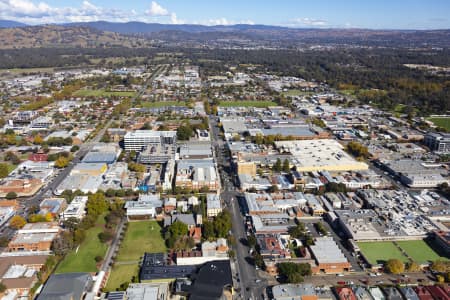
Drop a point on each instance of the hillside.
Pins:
(63, 36)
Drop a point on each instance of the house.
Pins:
(170, 204)
(187, 219)
(345, 293)
(73, 286)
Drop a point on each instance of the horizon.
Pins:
(322, 14)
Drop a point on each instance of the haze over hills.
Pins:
(102, 33)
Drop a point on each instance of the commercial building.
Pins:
(320, 155)
(92, 169)
(213, 281)
(144, 291)
(139, 139)
(196, 150)
(196, 174)
(34, 237)
(145, 207)
(73, 286)
(52, 205)
(358, 224)
(439, 142)
(328, 256)
(155, 267)
(156, 154)
(76, 208)
(302, 291)
(442, 238)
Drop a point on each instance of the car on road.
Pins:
(257, 280)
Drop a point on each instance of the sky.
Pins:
(373, 14)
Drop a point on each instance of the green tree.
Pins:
(277, 166)
(441, 266)
(222, 224)
(394, 266)
(2, 287)
(286, 166)
(11, 195)
(184, 132)
(4, 171)
(97, 204)
(61, 162)
(208, 230)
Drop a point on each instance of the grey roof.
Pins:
(326, 250)
(100, 157)
(66, 286)
(187, 219)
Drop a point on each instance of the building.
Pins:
(19, 274)
(248, 168)
(53, 206)
(139, 139)
(145, 207)
(92, 169)
(213, 205)
(345, 293)
(73, 286)
(303, 291)
(155, 267)
(320, 155)
(196, 150)
(358, 224)
(442, 238)
(34, 237)
(156, 154)
(196, 174)
(328, 256)
(438, 142)
(213, 281)
(41, 123)
(147, 291)
(76, 208)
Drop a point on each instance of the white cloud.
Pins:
(174, 19)
(157, 10)
(223, 21)
(305, 22)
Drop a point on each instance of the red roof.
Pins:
(38, 157)
(438, 293)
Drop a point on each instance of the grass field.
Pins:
(420, 251)
(102, 93)
(84, 259)
(143, 236)
(441, 122)
(146, 234)
(11, 168)
(380, 252)
(293, 93)
(260, 104)
(121, 274)
(162, 103)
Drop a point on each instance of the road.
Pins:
(246, 273)
(113, 247)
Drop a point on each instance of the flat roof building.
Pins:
(320, 155)
(328, 256)
(139, 139)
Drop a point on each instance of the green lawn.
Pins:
(420, 251)
(11, 168)
(144, 236)
(260, 104)
(121, 274)
(295, 92)
(162, 103)
(84, 259)
(441, 122)
(140, 237)
(102, 93)
(380, 252)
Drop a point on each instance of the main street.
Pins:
(251, 287)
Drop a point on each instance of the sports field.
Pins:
(102, 93)
(441, 122)
(380, 252)
(420, 251)
(259, 104)
(158, 104)
(140, 237)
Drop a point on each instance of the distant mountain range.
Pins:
(10, 24)
(115, 33)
